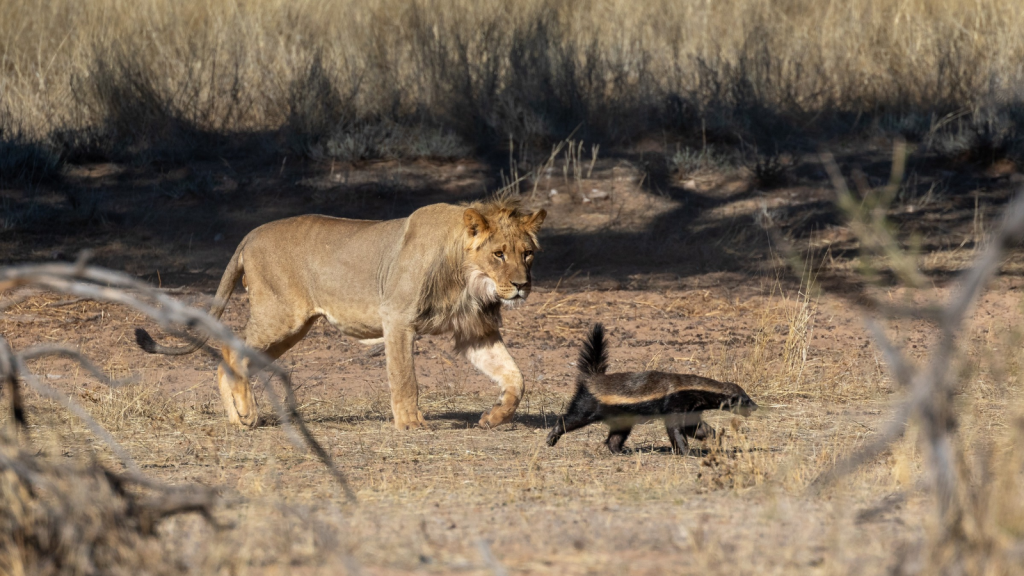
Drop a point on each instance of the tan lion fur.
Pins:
(444, 269)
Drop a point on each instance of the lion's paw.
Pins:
(409, 420)
(496, 416)
(250, 419)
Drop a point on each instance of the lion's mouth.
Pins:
(515, 300)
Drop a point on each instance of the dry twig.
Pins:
(103, 285)
(930, 388)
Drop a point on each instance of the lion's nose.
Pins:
(519, 285)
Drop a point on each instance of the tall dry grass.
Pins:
(446, 77)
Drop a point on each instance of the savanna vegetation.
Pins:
(168, 80)
(737, 188)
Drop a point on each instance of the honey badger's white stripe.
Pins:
(616, 397)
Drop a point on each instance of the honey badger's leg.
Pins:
(569, 422)
(583, 410)
(617, 438)
(701, 431)
(677, 438)
(490, 356)
(698, 431)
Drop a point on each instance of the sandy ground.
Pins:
(700, 293)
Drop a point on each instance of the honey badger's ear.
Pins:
(533, 221)
(475, 222)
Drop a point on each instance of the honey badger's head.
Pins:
(735, 400)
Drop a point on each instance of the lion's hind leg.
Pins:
(233, 374)
(235, 392)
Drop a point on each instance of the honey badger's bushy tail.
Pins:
(593, 356)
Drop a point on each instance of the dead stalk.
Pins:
(93, 283)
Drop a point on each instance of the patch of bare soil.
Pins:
(681, 277)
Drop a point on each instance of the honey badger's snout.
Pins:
(740, 404)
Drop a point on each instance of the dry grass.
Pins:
(173, 80)
(170, 81)
(426, 499)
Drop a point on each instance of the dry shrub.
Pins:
(778, 365)
(58, 518)
(974, 529)
(22, 160)
(66, 519)
(440, 77)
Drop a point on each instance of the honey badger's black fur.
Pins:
(625, 399)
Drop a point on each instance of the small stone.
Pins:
(561, 198)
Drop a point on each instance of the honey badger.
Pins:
(628, 398)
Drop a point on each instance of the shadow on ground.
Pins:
(178, 224)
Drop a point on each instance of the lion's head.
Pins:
(486, 266)
(499, 247)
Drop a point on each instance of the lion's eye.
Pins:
(499, 255)
(527, 254)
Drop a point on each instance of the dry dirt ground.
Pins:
(677, 269)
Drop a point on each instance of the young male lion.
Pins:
(444, 269)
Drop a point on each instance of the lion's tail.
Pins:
(593, 356)
(231, 275)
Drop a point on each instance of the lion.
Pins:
(444, 269)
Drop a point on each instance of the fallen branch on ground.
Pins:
(93, 283)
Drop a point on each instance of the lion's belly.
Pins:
(360, 326)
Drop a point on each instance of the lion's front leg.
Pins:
(492, 358)
(398, 343)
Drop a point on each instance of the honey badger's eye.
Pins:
(499, 255)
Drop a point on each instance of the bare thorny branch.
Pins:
(93, 283)
(929, 388)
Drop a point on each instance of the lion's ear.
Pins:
(532, 222)
(475, 222)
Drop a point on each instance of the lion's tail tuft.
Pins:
(145, 341)
(228, 280)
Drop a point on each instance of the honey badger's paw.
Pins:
(496, 416)
(552, 438)
(409, 419)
